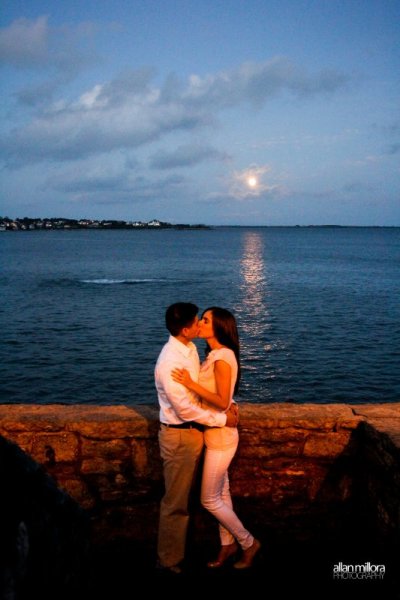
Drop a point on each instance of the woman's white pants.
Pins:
(216, 497)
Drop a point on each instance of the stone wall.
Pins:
(303, 468)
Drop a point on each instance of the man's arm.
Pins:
(180, 400)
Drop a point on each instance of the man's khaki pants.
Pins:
(180, 450)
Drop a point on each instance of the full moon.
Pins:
(252, 181)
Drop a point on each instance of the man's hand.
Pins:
(232, 415)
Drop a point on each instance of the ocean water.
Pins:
(82, 312)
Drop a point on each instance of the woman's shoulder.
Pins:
(223, 354)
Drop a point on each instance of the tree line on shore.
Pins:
(31, 224)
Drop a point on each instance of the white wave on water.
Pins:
(118, 281)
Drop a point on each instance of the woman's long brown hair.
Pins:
(225, 330)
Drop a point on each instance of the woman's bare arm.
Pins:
(222, 372)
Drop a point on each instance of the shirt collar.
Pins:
(184, 349)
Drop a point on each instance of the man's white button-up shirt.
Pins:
(177, 403)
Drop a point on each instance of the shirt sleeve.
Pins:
(184, 407)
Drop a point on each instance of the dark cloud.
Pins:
(87, 183)
(98, 181)
(25, 43)
(256, 82)
(357, 187)
(185, 156)
(391, 133)
(147, 188)
(57, 54)
(39, 94)
(394, 148)
(34, 44)
(130, 84)
(131, 110)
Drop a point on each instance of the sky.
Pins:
(234, 112)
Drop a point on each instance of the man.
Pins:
(181, 431)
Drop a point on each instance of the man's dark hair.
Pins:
(180, 315)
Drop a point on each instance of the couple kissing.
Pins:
(196, 410)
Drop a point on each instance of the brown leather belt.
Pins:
(187, 425)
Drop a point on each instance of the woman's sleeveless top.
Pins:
(219, 438)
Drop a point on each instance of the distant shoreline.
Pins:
(52, 224)
(307, 226)
(46, 224)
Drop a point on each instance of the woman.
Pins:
(218, 381)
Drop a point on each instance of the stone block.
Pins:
(52, 448)
(326, 445)
(100, 465)
(105, 449)
(113, 422)
(27, 423)
(78, 490)
(146, 461)
(270, 450)
(254, 488)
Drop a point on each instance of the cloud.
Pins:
(356, 187)
(131, 111)
(366, 161)
(38, 94)
(394, 148)
(185, 156)
(109, 180)
(57, 53)
(25, 43)
(89, 181)
(256, 82)
(33, 44)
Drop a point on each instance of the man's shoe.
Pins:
(248, 556)
(173, 570)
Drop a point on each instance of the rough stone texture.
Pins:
(292, 459)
